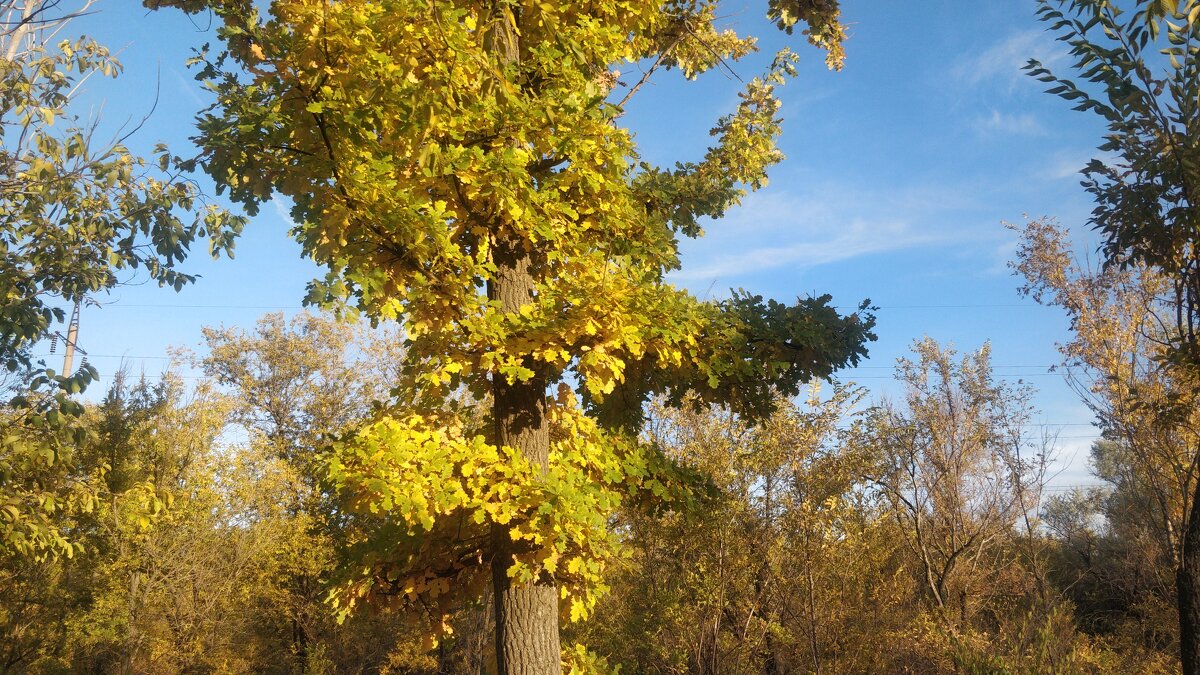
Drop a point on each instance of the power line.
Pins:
(118, 356)
(1007, 376)
(149, 305)
(994, 366)
(965, 306)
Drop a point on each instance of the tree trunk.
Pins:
(300, 645)
(133, 636)
(526, 614)
(813, 643)
(1187, 586)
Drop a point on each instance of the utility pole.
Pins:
(72, 335)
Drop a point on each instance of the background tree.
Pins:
(140, 446)
(804, 557)
(793, 563)
(963, 478)
(75, 211)
(209, 547)
(459, 167)
(761, 580)
(954, 472)
(1143, 73)
(1148, 412)
(293, 385)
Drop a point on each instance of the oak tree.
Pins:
(458, 166)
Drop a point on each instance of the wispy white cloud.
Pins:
(1003, 60)
(283, 211)
(797, 230)
(188, 87)
(1002, 254)
(857, 239)
(1064, 164)
(1009, 124)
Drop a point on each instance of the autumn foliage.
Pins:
(511, 444)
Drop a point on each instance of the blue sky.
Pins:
(900, 172)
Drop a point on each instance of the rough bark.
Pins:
(526, 614)
(1187, 585)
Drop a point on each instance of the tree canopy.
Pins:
(77, 212)
(459, 167)
(539, 454)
